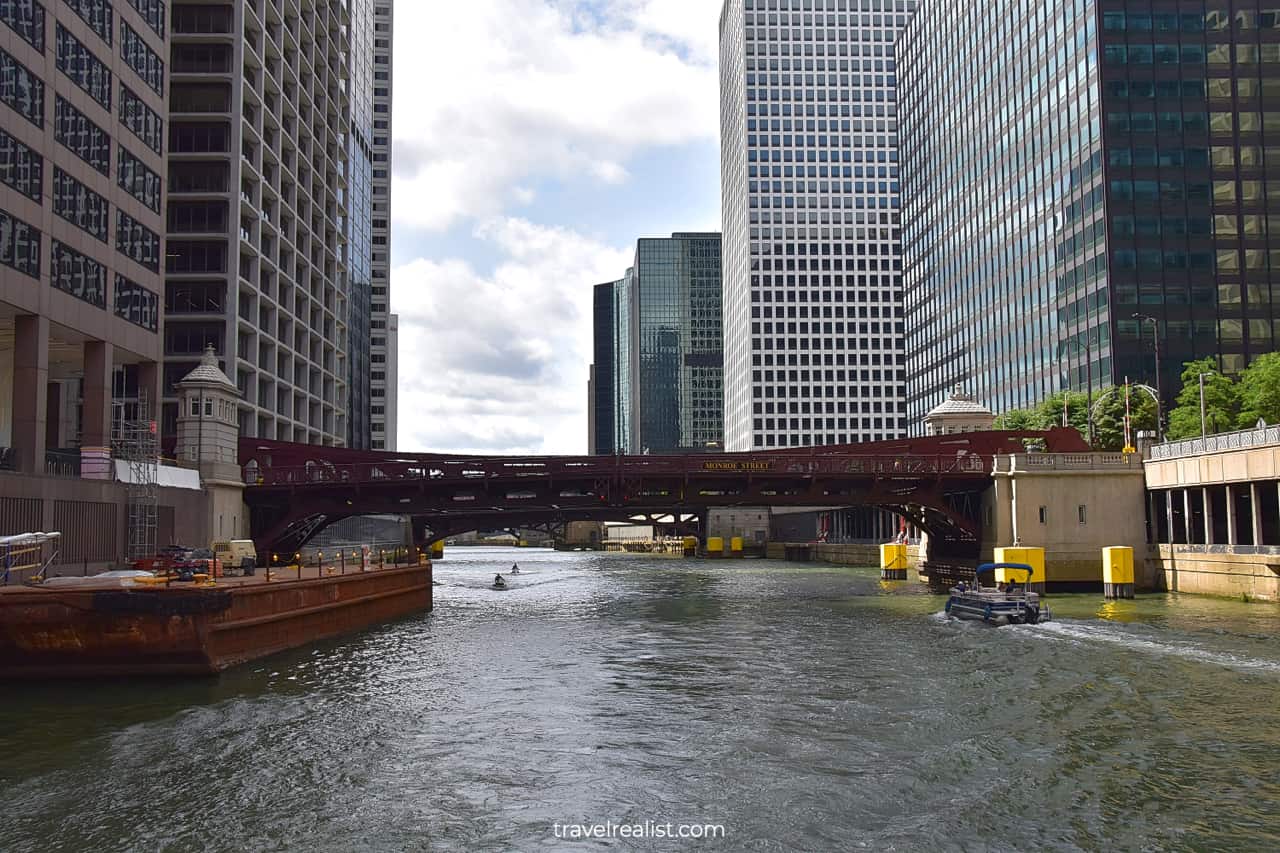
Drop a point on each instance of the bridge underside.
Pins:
(936, 483)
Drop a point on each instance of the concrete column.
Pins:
(1255, 510)
(30, 390)
(1231, 515)
(1168, 514)
(95, 430)
(1186, 516)
(1208, 515)
(1153, 512)
(53, 415)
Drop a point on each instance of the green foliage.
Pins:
(1228, 405)
(1048, 413)
(1260, 391)
(1108, 417)
(1221, 401)
(1017, 419)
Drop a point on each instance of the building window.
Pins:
(152, 11)
(1080, 511)
(21, 167)
(77, 274)
(136, 304)
(1044, 514)
(95, 13)
(140, 182)
(137, 241)
(19, 245)
(196, 256)
(85, 70)
(84, 138)
(141, 58)
(21, 90)
(143, 121)
(26, 18)
(79, 205)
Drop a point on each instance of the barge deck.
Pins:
(103, 630)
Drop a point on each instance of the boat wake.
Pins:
(1082, 632)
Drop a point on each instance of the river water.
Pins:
(799, 707)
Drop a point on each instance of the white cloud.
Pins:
(497, 362)
(492, 94)
(495, 98)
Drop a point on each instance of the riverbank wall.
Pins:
(847, 554)
(1216, 570)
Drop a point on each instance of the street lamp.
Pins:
(1088, 357)
(1203, 431)
(1155, 338)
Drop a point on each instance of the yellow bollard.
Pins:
(715, 546)
(1117, 572)
(437, 550)
(1033, 557)
(735, 546)
(893, 562)
(691, 546)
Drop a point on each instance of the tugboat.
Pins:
(999, 605)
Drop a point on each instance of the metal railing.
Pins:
(1217, 443)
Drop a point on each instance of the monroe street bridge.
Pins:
(295, 490)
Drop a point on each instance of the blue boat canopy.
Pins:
(991, 567)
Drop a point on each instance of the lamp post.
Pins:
(1155, 338)
(1203, 431)
(1088, 357)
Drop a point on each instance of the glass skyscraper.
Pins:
(1069, 164)
(812, 229)
(657, 378)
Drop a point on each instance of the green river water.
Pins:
(798, 707)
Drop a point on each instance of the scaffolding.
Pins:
(134, 442)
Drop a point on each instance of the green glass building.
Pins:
(657, 380)
(1069, 164)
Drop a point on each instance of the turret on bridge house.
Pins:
(208, 435)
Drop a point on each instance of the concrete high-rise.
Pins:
(383, 326)
(656, 384)
(82, 142)
(1078, 174)
(270, 236)
(813, 327)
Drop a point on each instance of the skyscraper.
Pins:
(1077, 175)
(601, 397)
(810, 210)
(383, 332)
(270, 245)
(82, 141)
(656, 384)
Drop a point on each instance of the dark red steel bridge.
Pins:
(295, 490)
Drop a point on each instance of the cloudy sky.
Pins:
(535, 140)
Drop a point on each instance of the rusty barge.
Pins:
(185, 629)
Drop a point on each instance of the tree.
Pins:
(1108, 417)
(1221, 400)
(1017, 419)
(1048, 413)
(1259, 388)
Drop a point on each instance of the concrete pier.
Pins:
(1117, 572)
(893, 562)
(1033, 557)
